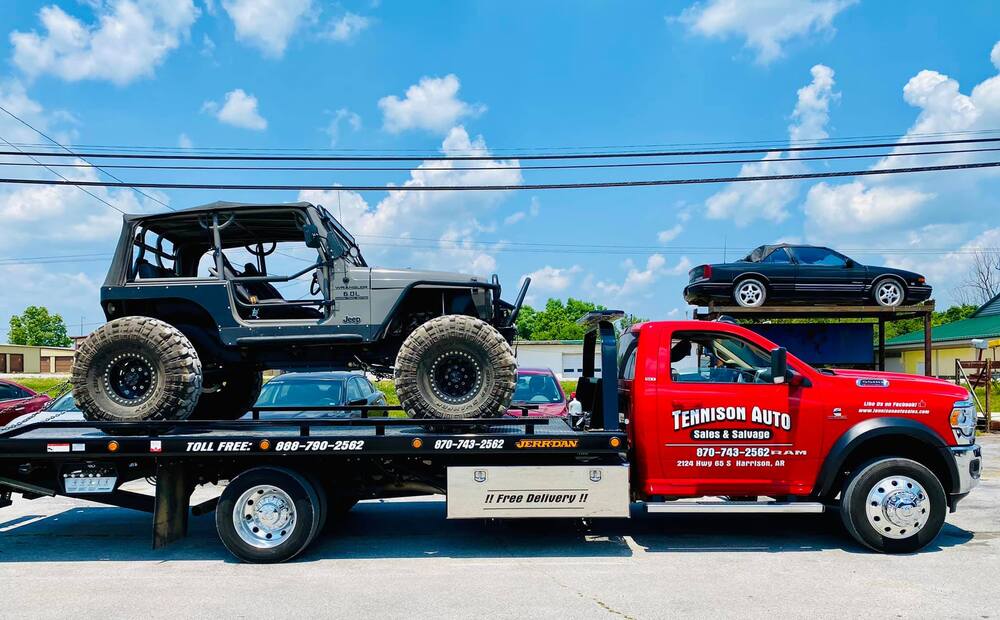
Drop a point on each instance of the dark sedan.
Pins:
(301, 390)
(802, 274)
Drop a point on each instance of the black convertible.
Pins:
(802, 274)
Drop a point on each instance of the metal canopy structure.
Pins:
(882, 314)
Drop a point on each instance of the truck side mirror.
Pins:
(779, 365)
(311, 234)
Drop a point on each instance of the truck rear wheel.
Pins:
(455, 367)
(134, 369)
(228, 395)
(268, 514)
(893, 505)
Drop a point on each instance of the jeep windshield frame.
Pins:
(351, 252)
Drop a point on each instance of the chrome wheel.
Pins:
(264, 516)
(889, 293)
(897, 507)
(750, 293)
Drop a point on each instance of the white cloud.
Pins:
(552, 279)
(431, 105)
(130, 39)
(267, 24)
(343, 116)
(745, 202)
(639, 282)
(911, 205)
(184, 142)
(385, 230)
(347, 28)
(852, 209)
(533, 210)
(239, 110)
(765, 25)
(668, 235)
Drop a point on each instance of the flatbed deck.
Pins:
(403, 437)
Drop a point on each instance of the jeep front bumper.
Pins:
(969, 466)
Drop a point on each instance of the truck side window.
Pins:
(706, 357)
(628, 372)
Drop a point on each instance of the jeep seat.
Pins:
(271, 307)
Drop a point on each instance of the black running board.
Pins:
(250, 341)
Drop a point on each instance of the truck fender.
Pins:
(873, 429)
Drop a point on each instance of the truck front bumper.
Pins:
(969, 466)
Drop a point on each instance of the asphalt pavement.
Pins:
(402, 559)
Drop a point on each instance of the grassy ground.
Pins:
(41, 384)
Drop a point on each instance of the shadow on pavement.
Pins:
(418, 529)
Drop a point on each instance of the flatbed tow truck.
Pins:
(696, 409)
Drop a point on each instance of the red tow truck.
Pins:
(699, 417)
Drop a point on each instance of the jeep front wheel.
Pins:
(455, 367)
(134, 369)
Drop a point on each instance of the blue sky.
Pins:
(508, 77)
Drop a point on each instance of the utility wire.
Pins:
(778, 142)
(512, 187)
(73, 183)
(529, 156)
(60, 145)
(512, 167)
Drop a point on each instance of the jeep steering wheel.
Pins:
(252, 249)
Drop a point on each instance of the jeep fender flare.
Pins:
(864, 432)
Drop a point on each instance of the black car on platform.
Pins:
(802, 274)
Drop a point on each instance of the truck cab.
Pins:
(715, 410)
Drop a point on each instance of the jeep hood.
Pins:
(401, 278)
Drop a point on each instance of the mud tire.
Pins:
(475, 350)
(166, 354)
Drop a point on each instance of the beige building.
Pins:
(19, 358)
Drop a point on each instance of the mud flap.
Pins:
(172, 505)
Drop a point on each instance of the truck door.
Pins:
(726, 427)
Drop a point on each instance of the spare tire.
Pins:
(134, 369)
(228, 395)
(455, 367)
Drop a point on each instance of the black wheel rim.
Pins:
(129, 378)
(456, 376)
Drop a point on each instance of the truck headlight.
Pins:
(963, 421)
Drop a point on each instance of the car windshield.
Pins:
(63, 403)
(301, 393)
(537, 389)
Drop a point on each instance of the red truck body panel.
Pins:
(704, 437)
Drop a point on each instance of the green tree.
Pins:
(35, 326)
(557, 321)
(943, 317)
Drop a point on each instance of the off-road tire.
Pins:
(306, 501)
(484, 359)
(234, 393)
(163, 351)
(928, 518)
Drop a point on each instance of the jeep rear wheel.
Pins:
(228, 395)
(455, 367)
(134, 369)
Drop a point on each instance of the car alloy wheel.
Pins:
(889, 293)
(750, 294)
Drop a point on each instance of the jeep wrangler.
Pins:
(190, 329)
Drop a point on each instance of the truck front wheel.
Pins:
(136, 368)
(893, 505)
(455, 367)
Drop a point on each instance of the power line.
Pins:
(76, 185)
(60, 145)
(512, 167)
(513, 187)
(778, 142)
(529, 156)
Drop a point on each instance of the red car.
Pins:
(17, 400)
(539, 388)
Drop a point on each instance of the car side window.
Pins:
(778, 257)
(821, 257)
(353, 390)
(10, 392)
(366, 386)
(706, 357)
